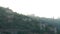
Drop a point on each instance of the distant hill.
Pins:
(13, 20)
(10, 20)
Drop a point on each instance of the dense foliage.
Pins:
(13, 20)
(37, 25)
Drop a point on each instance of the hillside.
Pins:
(13, 22)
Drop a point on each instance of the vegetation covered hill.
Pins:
(13, 20)
(36, 25)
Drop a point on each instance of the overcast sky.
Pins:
(42, 8)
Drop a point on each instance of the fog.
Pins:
(42, 8)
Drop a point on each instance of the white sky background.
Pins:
(42, 8)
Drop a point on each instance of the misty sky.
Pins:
(42, 8)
